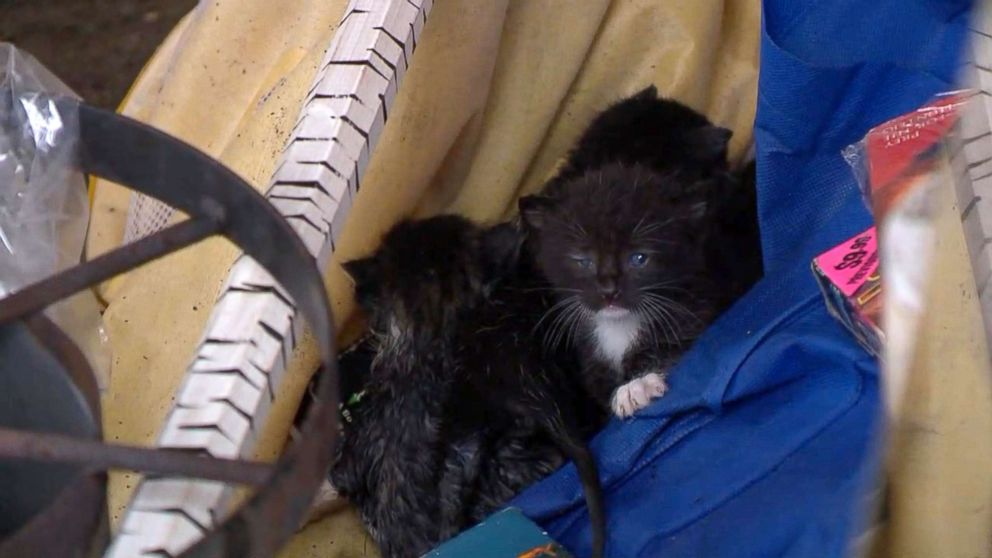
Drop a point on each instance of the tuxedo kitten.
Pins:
(623, 247)
(647, 237)
(458, 414)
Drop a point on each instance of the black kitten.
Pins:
(457, 416)
(623, 248)
(647, 237)
(661, 134)
(667, 136)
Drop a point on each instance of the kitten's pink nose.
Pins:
(608, 289)
(610, 296)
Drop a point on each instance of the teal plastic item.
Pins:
(507, 534)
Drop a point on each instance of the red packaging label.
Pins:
(892, 148)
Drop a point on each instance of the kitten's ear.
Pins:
(362, 271)
(534, 210)
(501, 249)
(698, 210)
(646, 94)
(709, 143)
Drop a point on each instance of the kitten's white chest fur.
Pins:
(614, 336)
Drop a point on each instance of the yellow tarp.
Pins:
(939, 482)
(497, 92)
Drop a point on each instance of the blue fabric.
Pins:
(767, 443)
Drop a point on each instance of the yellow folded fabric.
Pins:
(497, 92)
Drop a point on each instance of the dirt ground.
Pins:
(97, 47)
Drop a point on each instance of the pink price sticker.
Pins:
(848, 265)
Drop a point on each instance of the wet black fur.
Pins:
(460, 412)
(651, 176)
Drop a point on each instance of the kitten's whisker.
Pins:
(637, 178)
(557, 307)
(570, 322)
(549, 334)
(669, 325)
(565, 325)
(653, 226)
(668, 302)
(671, 309)
(554, 331)
(678, 307)
(665, 319)
(562, 326)
(657, 292)
(578, 230)
(643, 310)
(674, 310)
(666, 285)
(576, 322)
(637, 227)
(551, 341)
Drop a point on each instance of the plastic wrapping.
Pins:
(901, 166)
(892, 155)
(44, 208)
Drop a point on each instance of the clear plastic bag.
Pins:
(44, 205)
(903, 166)
(892, 155)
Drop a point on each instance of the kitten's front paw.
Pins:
(637, 394)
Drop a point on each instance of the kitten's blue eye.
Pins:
(638, 259)
(583, 262)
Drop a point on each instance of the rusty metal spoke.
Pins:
(45, 447)
(37, 296)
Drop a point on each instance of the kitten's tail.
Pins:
(571, 445)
